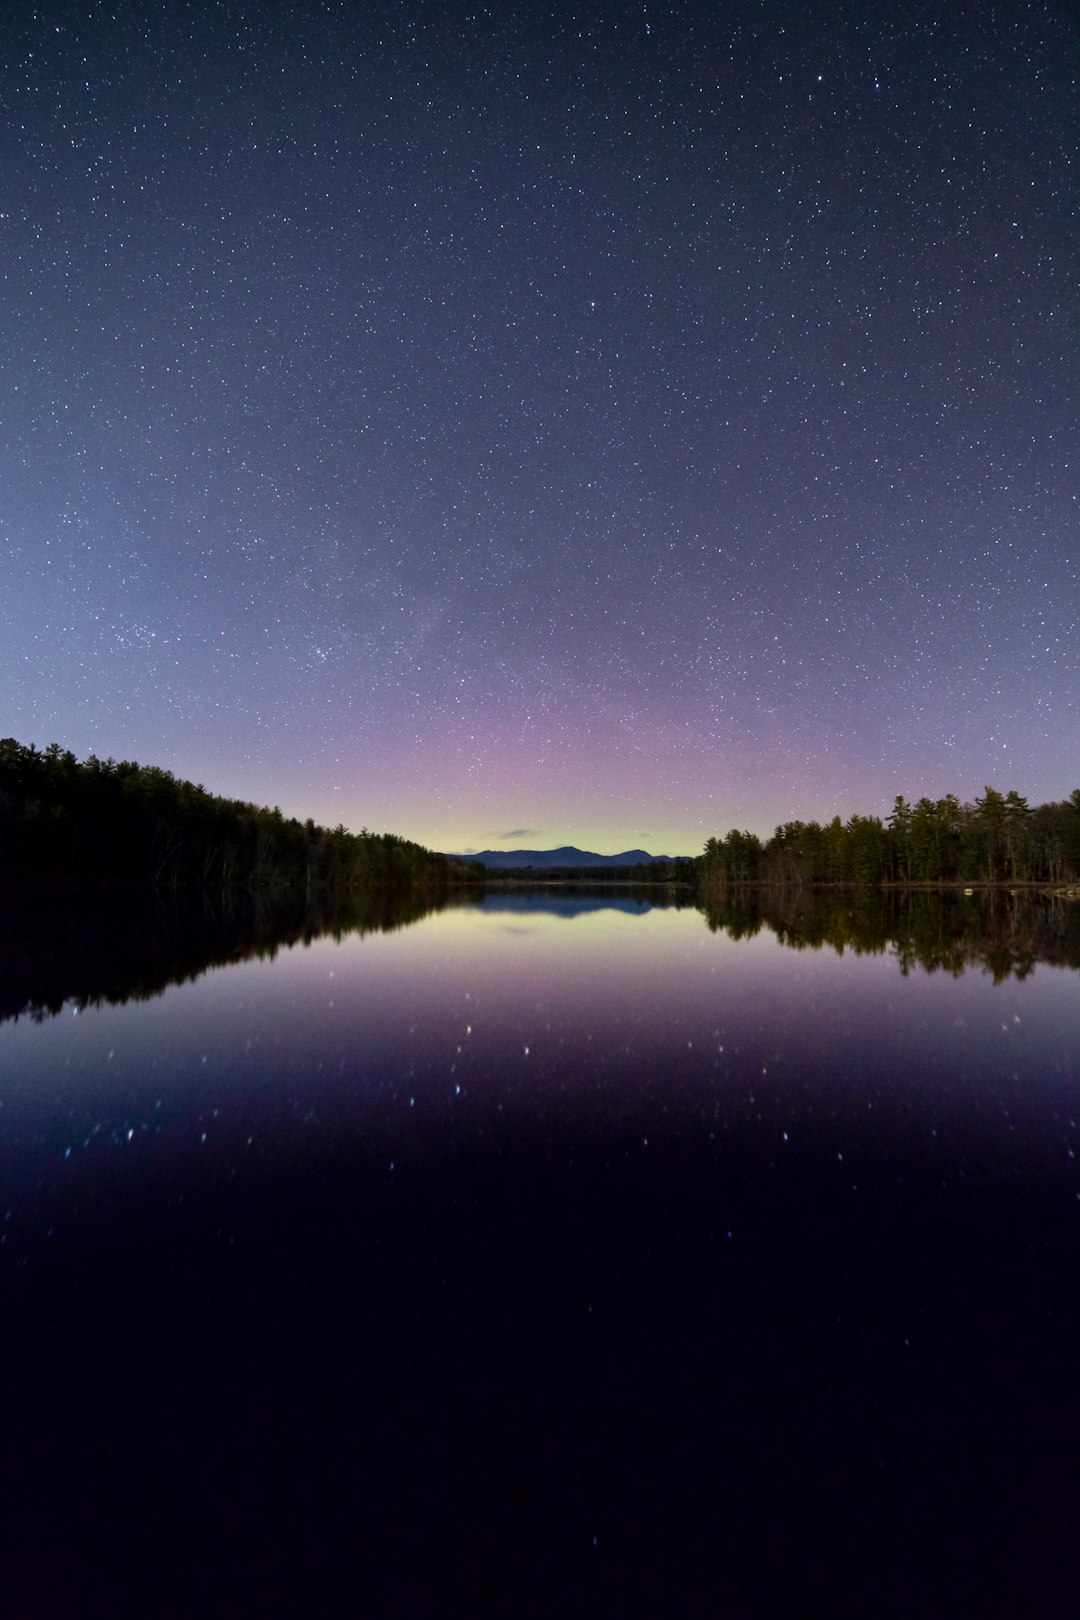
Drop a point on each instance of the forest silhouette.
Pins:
(104, 821)
(998, 839)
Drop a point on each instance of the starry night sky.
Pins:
(602, 424)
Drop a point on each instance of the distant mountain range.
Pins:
(500, 859)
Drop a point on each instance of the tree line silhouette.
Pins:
(998, 839)
(62, 820)
(66, 820)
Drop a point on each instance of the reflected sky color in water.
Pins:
(538, 1259)
(599, 1005)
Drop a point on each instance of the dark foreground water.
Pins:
(545, 1257)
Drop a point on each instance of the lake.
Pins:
(557, 1254)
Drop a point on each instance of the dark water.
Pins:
(551, 1256)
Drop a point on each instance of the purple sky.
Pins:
(597, 425)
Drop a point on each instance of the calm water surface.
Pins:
(553, 1255)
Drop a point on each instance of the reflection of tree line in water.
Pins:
(1004, 934)
(59, 950)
